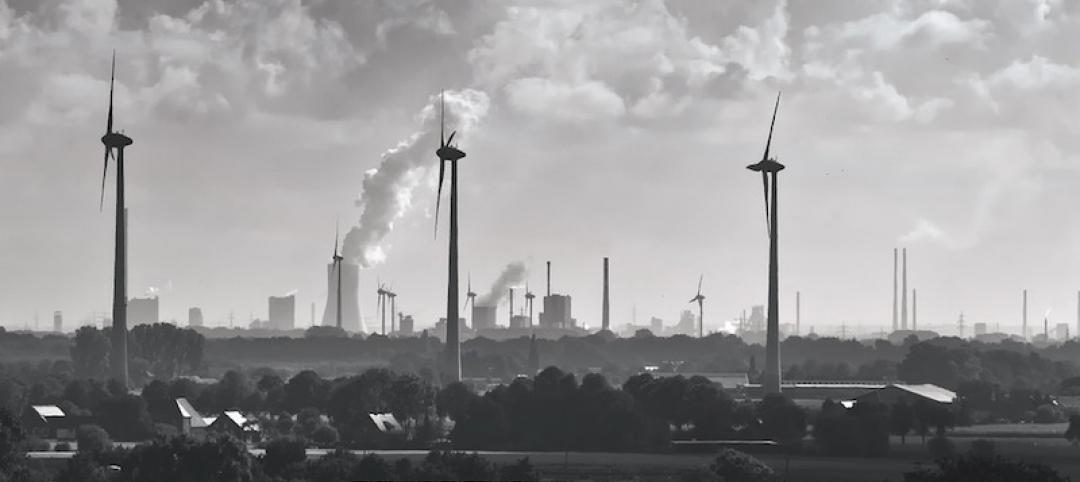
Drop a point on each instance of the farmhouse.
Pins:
(910, 394)
(48, 422)
(187, 419)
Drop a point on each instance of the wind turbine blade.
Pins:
(768, 143)
(700, 279)
(442, 119)
(765, 188)
(451, 138)
(337, 233)
(112, 81)
(438, 195)
(104, 172)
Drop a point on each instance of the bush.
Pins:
(1047, 413)
(283, 452)
(734, 465)
(37, 445)
(62, 447)
(979, 469)
(325, 436)
(521, 470)
(983, 448)
(372, 467)
(941, 447)
(92, 439)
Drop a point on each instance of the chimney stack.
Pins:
(903, 290)
(895, 320)
(606, 311)
(511, 319)
(914, 309)
(1023, 321)
(549, 278)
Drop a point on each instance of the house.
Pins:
(727, 380)
(386, 423)
(188, 420)
(910, 394)
(233, 422)
(48, 422)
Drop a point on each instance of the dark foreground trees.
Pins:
(977, 468)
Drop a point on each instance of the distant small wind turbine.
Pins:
(700, 299)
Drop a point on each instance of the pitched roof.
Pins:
(48, 411)
(929, 391)
(187, 411)
(385, 422)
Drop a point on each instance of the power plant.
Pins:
(282, 312)
(144, 311)
(557, 309)
(348, 287)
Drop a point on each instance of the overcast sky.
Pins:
(601, 128)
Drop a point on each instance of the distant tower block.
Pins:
(282, 311)
(350, 304)
(58, 321)
(194, 317)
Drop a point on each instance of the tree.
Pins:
(282, 453)
(1072, 434)
(902, 420)
(733, 465)
(90, 353)
(972, 468)
(92, 439)
(781, 419)
(125, 417)
(325, 436)
(306, 389)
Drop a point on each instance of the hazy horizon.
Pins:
(601, 129)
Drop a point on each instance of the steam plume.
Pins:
(512, 275)
(388, 189)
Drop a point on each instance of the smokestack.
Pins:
(903, 290)
(549, 278)
(914, 309)
(511, 319)
(895, 320)
(606, 312)
(1078, 312)
(1023, 321)
(798, 311)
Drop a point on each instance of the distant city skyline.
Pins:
(947, 129)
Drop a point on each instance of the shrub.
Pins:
(982, 448)
(1047, 413)
(325, 436)
(980, 469)
(283, 452)
(62, 447)
(37, 445)
(521, 470)
(92, 439)
(372, 467)
(941, 447)
(734, 465)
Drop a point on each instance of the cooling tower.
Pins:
(350, 305)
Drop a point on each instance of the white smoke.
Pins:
(513, 275)
(292, 292)
(388, 189)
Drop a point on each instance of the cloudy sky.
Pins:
(593, 129)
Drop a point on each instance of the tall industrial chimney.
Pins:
(914, 309)
(903, 290)
(606, 311)
(798, 312)
(510, 320)
(1023, 321)
(895, 319)
(549, 278)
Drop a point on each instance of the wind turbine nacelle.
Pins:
(116, 140)
(449, 153)
(768, 165)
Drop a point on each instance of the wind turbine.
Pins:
(447, 153)
(337, 259)
(393, 311)
(769, 168)
(700, 299)
(382, 292)
(115, 142)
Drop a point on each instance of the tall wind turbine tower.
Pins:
(383, 295)
(393, 309)
(769, 169)
(115, 142)
(470, 299)
(337, 259)
(700, 299)
(447, 153)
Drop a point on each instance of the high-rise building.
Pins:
(757, 318)
(1061, 331)
(406, 325)
(283, 312)
(656, 326)
(980, 329)
(688, 323)
(350, 304)
(483, 317)
(142, 311)
(58, 321)
(519, 321)
(194, 316)
(556, 312)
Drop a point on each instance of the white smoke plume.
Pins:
(513, 275)
(388, 189)
(292, 292)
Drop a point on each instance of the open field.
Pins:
(1012, 430)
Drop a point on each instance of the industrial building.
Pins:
(194, 316)
(406, 325)
(143, 311)
(519, 321)
(483, 317)
(556, 312)
(350, 304)
(58, 321)
(282, 312)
